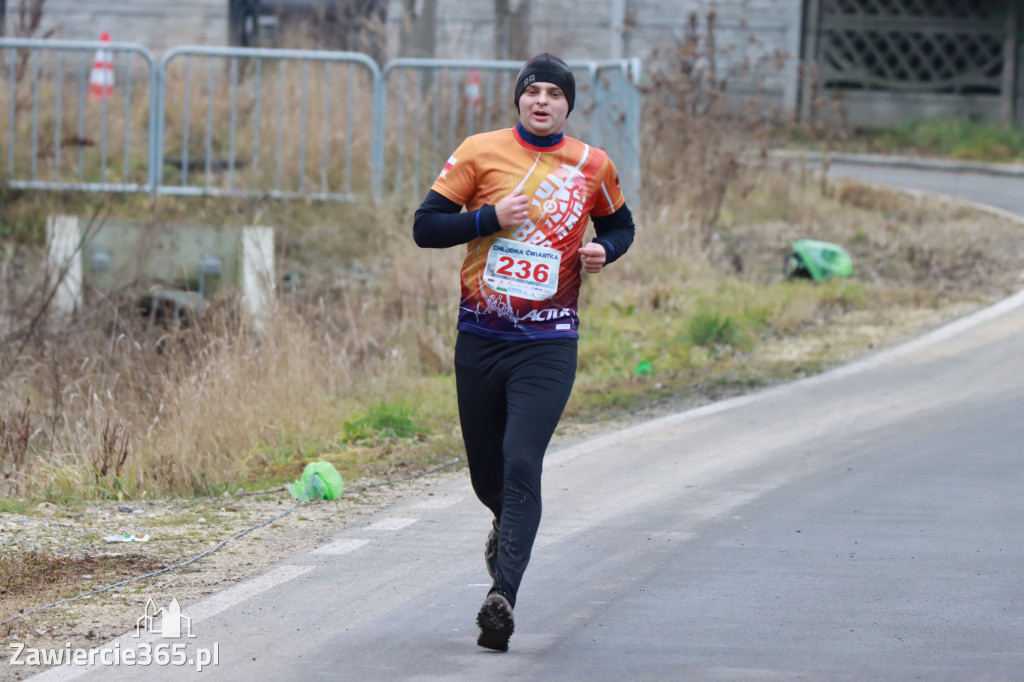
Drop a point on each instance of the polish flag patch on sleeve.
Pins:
(448, 166)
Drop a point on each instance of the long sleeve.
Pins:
(439, 222)
(615, 233)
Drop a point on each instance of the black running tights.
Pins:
(511, 396)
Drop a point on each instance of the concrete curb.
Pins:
(968, 203)
(947, 165)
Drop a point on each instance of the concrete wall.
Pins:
(603, 29)
(156, 24)
(754, 30)
(574, 29)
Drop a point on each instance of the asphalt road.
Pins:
(865, 524)
(1001, 191)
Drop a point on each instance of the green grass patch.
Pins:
(942, 136)
(713, 328)
(958, 138)
(385, 420)
(13, 506)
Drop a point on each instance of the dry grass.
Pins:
(114, 407)
(109, 405)
(117, 407)
(31, 578)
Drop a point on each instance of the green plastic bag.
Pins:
(323, 481)
(818, 260)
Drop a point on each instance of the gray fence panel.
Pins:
(615, 121)
(241, 122)
(426, 114)
(58, 136)
(277, 123)
(433, 104)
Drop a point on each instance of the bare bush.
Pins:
(28, 20)
(23, 315)
(15, 434)
(698, 134)
(134, 408)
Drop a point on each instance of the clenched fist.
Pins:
(514, 209)
(593, 256)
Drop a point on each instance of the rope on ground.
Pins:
(221, 544)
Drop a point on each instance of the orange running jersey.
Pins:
(524, 282)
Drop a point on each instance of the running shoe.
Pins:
(491, 551)
(495, 621)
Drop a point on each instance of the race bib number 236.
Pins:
(524, 270)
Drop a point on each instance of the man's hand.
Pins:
(513, 210)
(593, 257)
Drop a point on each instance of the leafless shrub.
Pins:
(24, 318)
(351, 25)
(114, 450)
(697, 134)
(134, 408)
(28, 19)
(15, 434)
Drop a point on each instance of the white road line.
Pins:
(636, 432)
(350, 545)
(244, 591)
(197, 613)
(340, 547)
(397, 523)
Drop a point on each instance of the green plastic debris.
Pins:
(817, 260)
(643, 369)
(322, 480)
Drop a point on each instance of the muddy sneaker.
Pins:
(495, 621)
(491, 551)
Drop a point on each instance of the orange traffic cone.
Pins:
(473, 98)
(101, 78)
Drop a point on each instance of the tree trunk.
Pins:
(512, 29)
(365, 22)
(418, 34)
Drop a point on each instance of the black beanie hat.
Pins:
(547, 68)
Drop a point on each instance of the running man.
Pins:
(529, 193)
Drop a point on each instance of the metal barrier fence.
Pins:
(303, 113)
(431, 105)
(615, 119)
(266, 122)
(57, 134)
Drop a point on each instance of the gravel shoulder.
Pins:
(178, 530)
